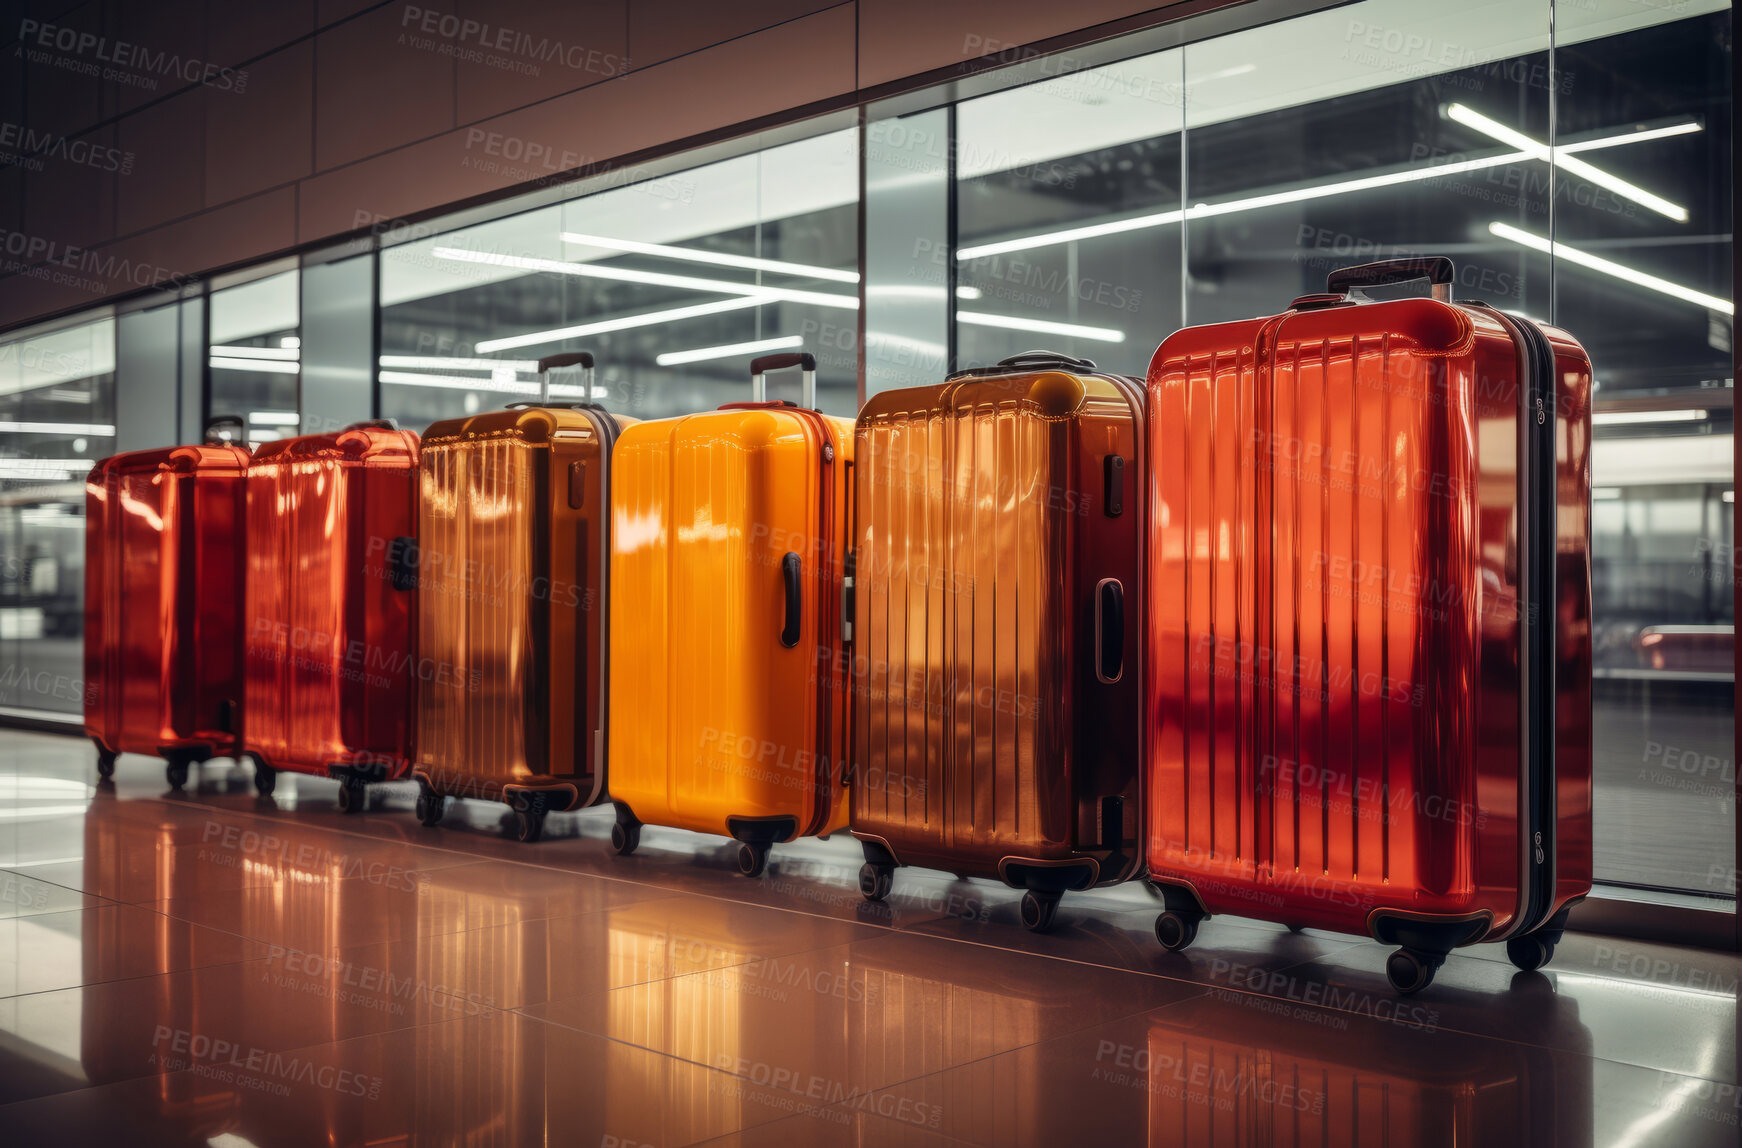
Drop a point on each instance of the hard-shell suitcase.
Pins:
(997, 621)
(1369, 655)
(330, 617)
(729, 701)
(513, 550)
(163, 603)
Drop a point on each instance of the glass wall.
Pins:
(674, 284)
(254, 355)
(57, 417)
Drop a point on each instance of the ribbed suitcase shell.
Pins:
(715, 723)
(513, 546)
(163, 601)
(986, 742)
(1334, 646)
(330, 672)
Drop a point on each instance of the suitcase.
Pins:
(730, 703)
(997, 617)
(163, 603)
(1369, 647)
(512, 555)
(328, 670)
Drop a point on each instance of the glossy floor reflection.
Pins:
(203, 968)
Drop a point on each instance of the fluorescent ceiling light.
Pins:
(1617, 418)
(1682, 129)
(1605, 493)
(275, 418)
(288, 354)
(1297, 195)
(267, 366)
(1730, 495)
(657, 278)
(449, 363)
(1597, 263)
(290, 341)
(43, 467)
(101, 430)
(716, 258)
(1493, 129)
(626, 322)
(1042, 326)
(702, 354)
(506, 386)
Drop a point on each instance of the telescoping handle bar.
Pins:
(1436, 269)
(803, 360)
(215, 429)
(581, 359)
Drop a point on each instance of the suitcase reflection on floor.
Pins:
(511, 566)
(729, 706)
(163, 602)
(998, 611)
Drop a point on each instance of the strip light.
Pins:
(275, 418)
(444, 362)
(1493, 129)
(657, 278)
(266, 366)
(627, 322)
(1618, 418)
(1597, 263)
(703, 354)
(716, 258)
(506, 386)
(1299, 195)
(100, 430)
(287, 354)
(1041, 326)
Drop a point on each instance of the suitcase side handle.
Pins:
(215, 425)
(402, 559)
(557, 362)
(1109, 631)
(790, 571)
(803, 360)
(1436, 269)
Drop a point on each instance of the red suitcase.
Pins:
(163, 603)
(329, 668)
(1369, 647)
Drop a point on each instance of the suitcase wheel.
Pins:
(875, 881)
(1411, 970)
(528, 824)
(265, 778)
(1175, 930)
(353, 796)
(1038, 908)
(105, 764)
(176, 772)
(752, 859)
(625, 836)
(1529, 952)
(430, 807)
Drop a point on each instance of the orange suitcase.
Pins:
(329, 674)
(998, 611)
(163, 603)
(512, 554)
(729, 700)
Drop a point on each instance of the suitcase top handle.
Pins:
(1436, 269)
(1029, 361)
(581, 359)
(803, 360)
(214, 426)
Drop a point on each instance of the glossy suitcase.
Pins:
(163, 603)
(1369, 660)
(997, 618)
(729, 700)
(511, 562)
(330, 618)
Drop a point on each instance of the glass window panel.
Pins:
(255, 353)
(57, 417)
(674, 284)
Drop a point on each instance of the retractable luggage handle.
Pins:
(803, 360)
(581, 359)
(211, 436)
(1436, 269)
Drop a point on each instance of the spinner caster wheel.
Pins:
(265, 779)
(528, 824)
(625, 838)
(875, 881)
(1529, 952)
(430, 807)
(1038, 910)
(353, 796)
(1410, 971)
(1175, 930)
(752, 859)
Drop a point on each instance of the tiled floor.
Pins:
(205, 968)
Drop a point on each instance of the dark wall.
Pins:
(146, 141)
